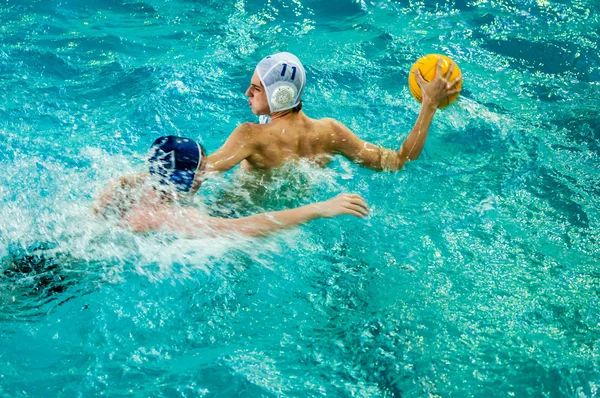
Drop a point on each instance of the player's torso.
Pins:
(279, 142)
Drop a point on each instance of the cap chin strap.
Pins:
(197, 168)
(199, 159)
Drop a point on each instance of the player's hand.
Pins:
(439, 88)
(343, 204)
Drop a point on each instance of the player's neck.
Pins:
(286, 115)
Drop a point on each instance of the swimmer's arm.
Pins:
(104, 199)
(434, 92)
(238, 147)
(264, 224)
(377, 158)
(110, 194)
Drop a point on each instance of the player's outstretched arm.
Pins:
(374, 157)
(268, 223)
(191, 222)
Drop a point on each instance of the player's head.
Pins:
(277, 84)
(178, 162)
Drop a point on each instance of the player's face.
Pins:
(257, 96)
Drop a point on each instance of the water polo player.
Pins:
(275, 92)
(151, 201)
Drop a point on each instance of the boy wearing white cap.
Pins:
(276, 91)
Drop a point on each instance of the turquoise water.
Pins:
(477, 274)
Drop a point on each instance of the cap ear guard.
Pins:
(282, 96)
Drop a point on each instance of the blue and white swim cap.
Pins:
(284, 78)
(176, 161)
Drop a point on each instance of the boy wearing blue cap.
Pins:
(150, 201)
(275, 92)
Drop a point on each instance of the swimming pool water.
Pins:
(477, 274)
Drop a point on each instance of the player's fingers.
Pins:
(354, 199)
(419, 77)
(354, 206)
(450, 70)
(452, 92)
(355, 213)
(359, 202)
(438, 67)
(358, 209)
(353, 195)
(455, 81)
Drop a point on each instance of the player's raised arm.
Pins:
(349, 145)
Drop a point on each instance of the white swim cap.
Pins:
(283, 77)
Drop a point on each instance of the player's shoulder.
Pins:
(331, 122)
(248, 131)
(328, 121)
(131, 180)
(333, 125)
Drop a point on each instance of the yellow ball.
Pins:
(427, 66)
